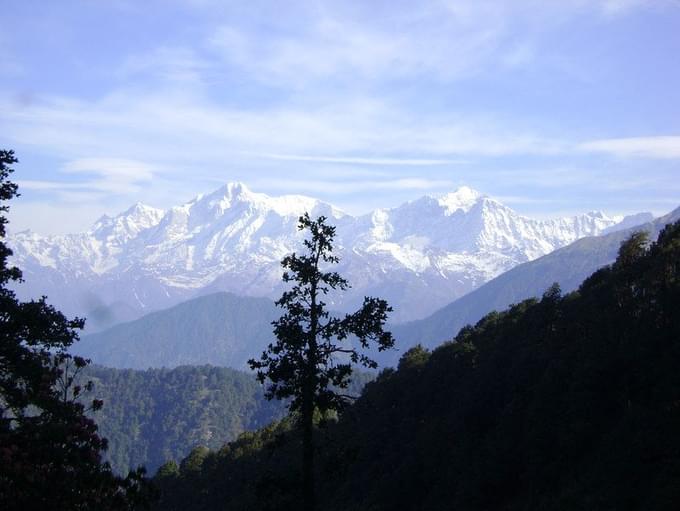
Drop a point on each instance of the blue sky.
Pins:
(551, 107)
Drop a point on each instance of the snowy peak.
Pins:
(419, 256)
(127, 225)
(597, 214)
(235, 189)
(229, 194)
(230, 198)
(467, 222)
(237, 195)
(140, 211)
(461, 199)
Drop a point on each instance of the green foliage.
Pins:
(50, 451)
(632, 249)
(158, 415)
(192, 463)
(414, 358)
(567, 402)
(168, 470)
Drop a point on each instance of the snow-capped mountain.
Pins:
(419, 256)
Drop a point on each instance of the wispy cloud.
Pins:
(164, 126)
(446, 40)
(38, 185)
(407, 162)
(95, 176)
(318, 186)
(167, 65)
(115, 169)
(618, 7)
(348, 50)
(663, 147)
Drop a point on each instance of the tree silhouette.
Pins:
(50, 452)
(309, 362)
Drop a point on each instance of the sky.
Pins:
(552, 107)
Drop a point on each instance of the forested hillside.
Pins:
(564, 402)
(161, 414)
(156, 415)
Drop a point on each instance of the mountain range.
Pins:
(419, 256)
(226, 329)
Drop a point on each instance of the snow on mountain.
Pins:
(419, 256)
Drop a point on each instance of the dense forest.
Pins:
(156, 415)
(564, 402)
(161, 414)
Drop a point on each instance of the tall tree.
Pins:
(50, 452)
(309, 362)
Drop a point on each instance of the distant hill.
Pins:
(567, 266)
(220, 329)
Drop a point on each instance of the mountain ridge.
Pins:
(568, 266)
(221, 329)
(420, 255)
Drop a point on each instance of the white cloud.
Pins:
(100, 177)
(175, 130)
(116, 169)
(350, 49)
(114, 175)
(179, 66)
(58, 217)
(410, 162)
(662, 147)
(35, 184)
(618, 7)
(348, 187)
(355, 42)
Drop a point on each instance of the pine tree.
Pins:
(311, 361)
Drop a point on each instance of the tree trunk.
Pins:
(308, 404)
(308, 458)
